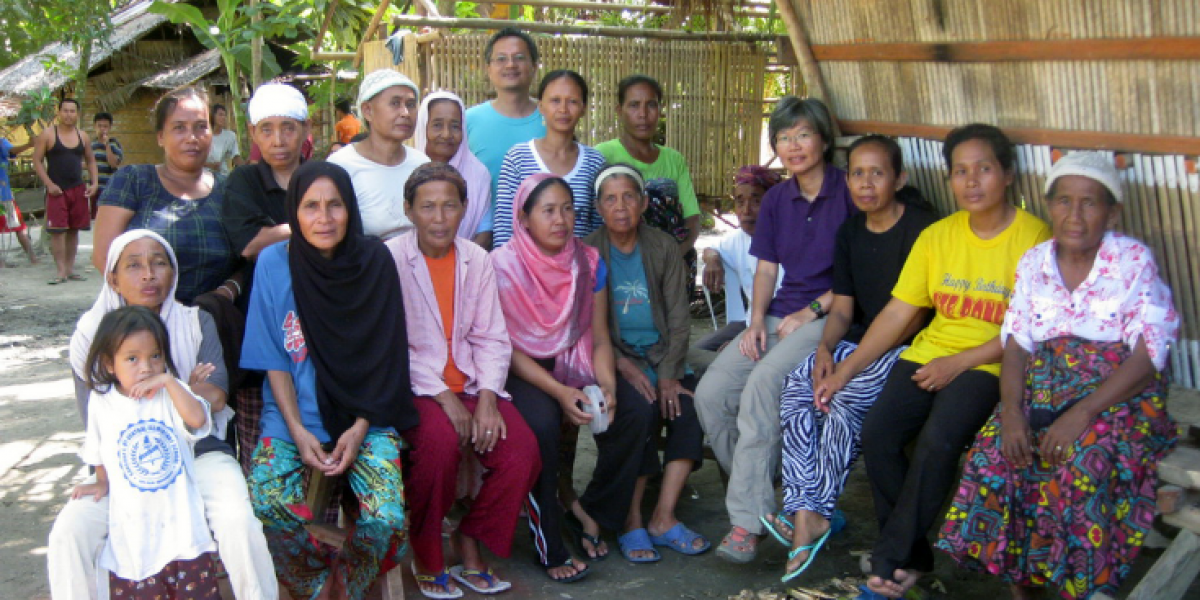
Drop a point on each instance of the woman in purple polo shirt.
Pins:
(738, 398)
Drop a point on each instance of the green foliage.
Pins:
(38, 108)
(30, 25)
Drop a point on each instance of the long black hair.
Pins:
(111, 333)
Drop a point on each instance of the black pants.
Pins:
(909, 495)
(685, 437)
(621, 460)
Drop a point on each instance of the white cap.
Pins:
(377, 81)
(1096, 166)
(277, 100)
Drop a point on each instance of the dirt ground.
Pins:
(41, 430)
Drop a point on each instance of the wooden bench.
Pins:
(1175, 570)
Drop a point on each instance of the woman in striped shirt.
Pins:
(562, 100)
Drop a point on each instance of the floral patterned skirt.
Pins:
(1080, 525)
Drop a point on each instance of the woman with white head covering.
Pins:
(142, 270)
(379, 165)
(1058, 490)
(442, 136)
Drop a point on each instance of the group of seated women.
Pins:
(424, 370)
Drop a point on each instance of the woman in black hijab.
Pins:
(326, 323)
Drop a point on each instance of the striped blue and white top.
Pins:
(521, 162)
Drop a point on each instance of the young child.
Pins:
(142, 425)
(10, 215)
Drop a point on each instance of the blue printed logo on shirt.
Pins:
(149, 455)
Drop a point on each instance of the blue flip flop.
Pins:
(869, 594)
(638, 539)
(772, 528)
(812, 553)
(680, 539)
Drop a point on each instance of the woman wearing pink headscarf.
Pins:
(552, 292)
(441, 136)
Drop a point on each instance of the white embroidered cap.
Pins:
(277, 100)
(377, 81)
(1093, 165)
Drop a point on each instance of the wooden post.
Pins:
(596, 30)
(316, 51)
(1173, 572)
(367, 34)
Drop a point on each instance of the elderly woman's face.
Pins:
(977, 178)
(436, 212)
(620, 204)
(186, 137)
(801, 148)
(323, 216)
(1080, 213)
(747, 199)
(551, 220)
(143, 274)
(640, 112)
(392, 113)
(444, 131)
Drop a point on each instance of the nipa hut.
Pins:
(1057, 75)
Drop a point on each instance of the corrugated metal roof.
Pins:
(185, 72)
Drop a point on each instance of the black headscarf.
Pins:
(352, 315)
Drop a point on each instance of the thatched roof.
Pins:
(29, 74)
(186, 72)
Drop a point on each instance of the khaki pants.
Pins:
(738, 404)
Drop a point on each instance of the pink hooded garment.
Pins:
(473, 171)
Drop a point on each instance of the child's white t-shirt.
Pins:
(155, 513)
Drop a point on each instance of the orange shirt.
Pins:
(346, 128)
(441, 273)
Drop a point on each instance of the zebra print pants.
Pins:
(819, 449)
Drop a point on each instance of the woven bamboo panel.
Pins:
(715, 89)
(1144, 96)
(1162, 208)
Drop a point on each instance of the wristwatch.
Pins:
(816, 308)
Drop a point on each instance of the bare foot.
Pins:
(810, 526)
(429, 586)
(656, 528)
(567, 570)
(592, 528)
(884, 587)
(781, 525)
(472, 558)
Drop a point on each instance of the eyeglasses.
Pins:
(797, 138)
(504, 60)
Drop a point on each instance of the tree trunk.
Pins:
(235, 91)
(81, 74)
(256, 49)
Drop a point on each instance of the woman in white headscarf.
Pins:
(141, 270)
(440, 134)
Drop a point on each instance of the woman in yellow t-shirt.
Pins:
(944, 386)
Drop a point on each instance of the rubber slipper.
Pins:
(56, 281)
(812, 554)
(496, 585)
(442, 580)
(869, 594)
(680, 539)
(729, 552)
(638, 540)
(772, 527)
(76, 277)
(576, 528)
(567, 563)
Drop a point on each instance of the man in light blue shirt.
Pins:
(512, 118)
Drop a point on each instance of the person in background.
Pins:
(255, 216)
(347, 125)
(57, 161)
(729, 265)
(738, 397)
(639, 107)
(495, 126)
(108, 153)
(380, 164)
(1058, 490)
(440, 135)
(562, 101)
(224, 153)
(10, 215)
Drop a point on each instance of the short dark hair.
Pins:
(343, 105)
(1002, 147)
(166, 104)
(542, 186)
(111, 333)
(102, 116)
(638, 79)
(895, 156)
(66, 100)
(508, 32)
(430, 172)
(790, 111)
(555, 75)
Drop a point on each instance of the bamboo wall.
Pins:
(712, 108)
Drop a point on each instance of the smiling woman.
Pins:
(442, 135)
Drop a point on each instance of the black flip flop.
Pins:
(572, 579)
(575, 526)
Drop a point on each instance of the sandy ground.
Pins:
(40, 433)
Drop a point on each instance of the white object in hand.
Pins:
(599, 422)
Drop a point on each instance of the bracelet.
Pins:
(235, 284)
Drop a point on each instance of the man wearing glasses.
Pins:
(495, 126)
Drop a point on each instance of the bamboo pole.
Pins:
(316, 51)
(592, 30)
(741, 11)
(803, 51)
(383, 7)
